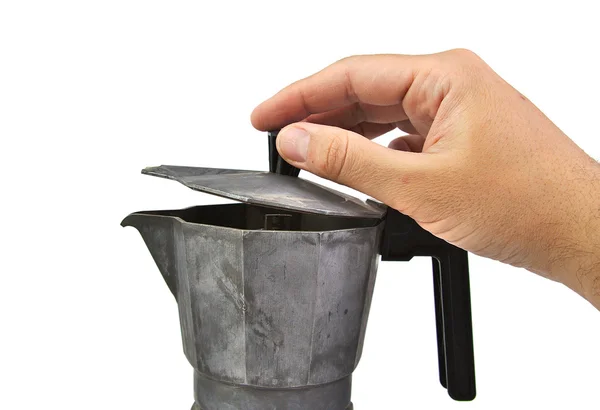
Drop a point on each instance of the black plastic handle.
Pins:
(403, 239)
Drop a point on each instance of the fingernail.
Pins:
(292, 143)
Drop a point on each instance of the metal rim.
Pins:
(196, 407)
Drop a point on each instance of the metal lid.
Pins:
(268, 189)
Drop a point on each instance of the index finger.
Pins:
(372, 79)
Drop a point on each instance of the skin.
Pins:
(480, 167)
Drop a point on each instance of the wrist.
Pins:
(575, 254)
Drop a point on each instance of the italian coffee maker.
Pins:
(274, 291)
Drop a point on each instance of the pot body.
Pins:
(270, 319)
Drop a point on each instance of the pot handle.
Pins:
(403, 239)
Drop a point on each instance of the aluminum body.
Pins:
(271, 319)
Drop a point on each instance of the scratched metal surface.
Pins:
(268, 189)
(197, 407)
(212, 395)
(267, 310)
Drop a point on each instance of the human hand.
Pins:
(481, 166)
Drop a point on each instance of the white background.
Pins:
(93, 91)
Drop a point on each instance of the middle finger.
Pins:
(357, 113)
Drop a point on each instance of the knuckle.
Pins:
(464, 55)
(348, 59)
(335, 155)
(345, 62)
(465, 62)
(466, 68)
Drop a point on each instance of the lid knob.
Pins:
(276, 163)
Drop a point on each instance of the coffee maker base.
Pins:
(214, 395)
(196, 407)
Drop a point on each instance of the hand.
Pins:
(481, 166)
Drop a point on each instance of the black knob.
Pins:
(276, 163)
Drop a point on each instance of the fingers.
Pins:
(371, 130)
(408, 143)
(407, 127)
(354, 114)
(348, 158)
(370, 121)
(377, 80)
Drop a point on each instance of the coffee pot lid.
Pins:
(268, 189)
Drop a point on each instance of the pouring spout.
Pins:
(158, 232)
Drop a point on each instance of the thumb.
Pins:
(389, 176)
